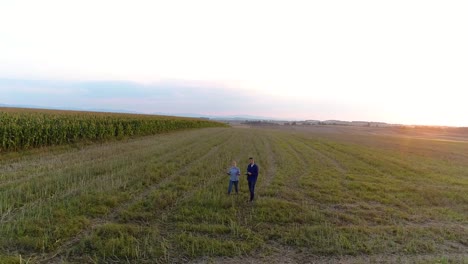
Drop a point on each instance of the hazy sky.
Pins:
(392, 61)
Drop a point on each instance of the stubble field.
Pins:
(325, 194)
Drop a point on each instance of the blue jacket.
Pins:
(254, 170)
(234, 173)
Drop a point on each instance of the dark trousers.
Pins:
(252, 189)
(236, 186)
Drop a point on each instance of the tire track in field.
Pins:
(73, 159)
(166, 180)
(164, 224)
(271, 169)
(168, 228)
(96, 223)
(324, 159)
(302, 160)
(300, 156)
(95, 158)
(197, 187)
(368, 161)
(281, 146)
(76, 158)
(136, 164)
(116, 211)
(321, 156)
(293, 185)
(452, 226)
(9, 215)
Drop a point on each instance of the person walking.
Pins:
(233, 173)
(252, 175)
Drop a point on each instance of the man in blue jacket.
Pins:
(252, 174)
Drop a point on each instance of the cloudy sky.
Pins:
(391, 61)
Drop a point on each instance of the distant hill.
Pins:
(219, 117)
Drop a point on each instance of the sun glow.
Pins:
(403, 61)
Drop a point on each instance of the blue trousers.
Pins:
(236, 186)
(252, 189)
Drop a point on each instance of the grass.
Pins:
(163, 199)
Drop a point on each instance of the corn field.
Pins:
(30, 128)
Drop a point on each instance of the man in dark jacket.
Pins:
(252, 174)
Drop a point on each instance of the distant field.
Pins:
(325, 194)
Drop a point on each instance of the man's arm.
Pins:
(255, 170)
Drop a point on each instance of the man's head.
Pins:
(251, 160)
(234, 163)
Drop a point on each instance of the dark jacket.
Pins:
(254, 170)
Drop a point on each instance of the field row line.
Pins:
(96, 223)
(9, 215)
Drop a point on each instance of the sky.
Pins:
(392, 61)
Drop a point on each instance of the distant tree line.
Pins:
(259, 123)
